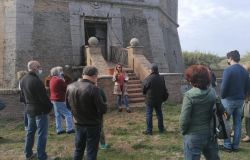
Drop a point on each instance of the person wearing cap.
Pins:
(234, 88)
(156, 93)
(87, 106)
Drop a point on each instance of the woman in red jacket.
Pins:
(57, 96)
(120, 88)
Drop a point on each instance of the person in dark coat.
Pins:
(156, 93)
(20, 75)
(213, 78)
(87, 105)
(38, 106)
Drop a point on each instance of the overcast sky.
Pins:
(216, 26)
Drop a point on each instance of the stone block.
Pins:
(106, 83)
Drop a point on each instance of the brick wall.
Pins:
(106, 83)
(174, 83)
(14, 109)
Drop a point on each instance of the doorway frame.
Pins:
(96, 20)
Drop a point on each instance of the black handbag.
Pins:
(221, 129)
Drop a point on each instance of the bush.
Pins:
(197, 57)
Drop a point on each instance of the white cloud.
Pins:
(210, 25)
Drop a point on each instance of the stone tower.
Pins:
(54, 32)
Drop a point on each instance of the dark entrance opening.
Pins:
(98, 30)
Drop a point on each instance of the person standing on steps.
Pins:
(121, 78)
(156, 93)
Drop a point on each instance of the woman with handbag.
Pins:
(121, 78)
(247, 111)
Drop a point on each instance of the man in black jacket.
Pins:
(38, 106)
(156, 92)
(87, 106)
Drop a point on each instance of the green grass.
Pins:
(123, 134)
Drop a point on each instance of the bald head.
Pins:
(33, 66)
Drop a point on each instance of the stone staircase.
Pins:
(134, 88)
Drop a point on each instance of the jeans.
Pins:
(25, 117)
(25, 121)
(39, 123)
(90, 136)
(234, 108)
(247, 123)
(149, 118)
(102, 135)
(60, 110)
(194, 145)
(120, 99)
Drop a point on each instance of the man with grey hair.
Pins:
(87, 106)
(57, 96)
(38, 106)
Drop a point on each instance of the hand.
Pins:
(225, 115)
(116, 76)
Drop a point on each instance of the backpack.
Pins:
(221, 125)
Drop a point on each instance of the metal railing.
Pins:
(119, 55)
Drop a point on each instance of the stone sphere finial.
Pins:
(134, 42)
(93, 41)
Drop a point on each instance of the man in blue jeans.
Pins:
(88, 107)
(234, 88)
(156, 92)
(38, 106)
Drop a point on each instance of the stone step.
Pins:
(134, 81)
(133, 78)
(128, 70)
(134, 90)
(137, 100)
(131, 74)
(135, 85)
(137, 105)
(135, 95)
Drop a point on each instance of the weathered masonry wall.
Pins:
(154, 23)
(53, 32)
(24, 30)
(51, 37)
(8, 42)
(43, 34)
(2, 35)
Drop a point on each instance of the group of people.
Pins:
(198, 107)
(82, 104)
